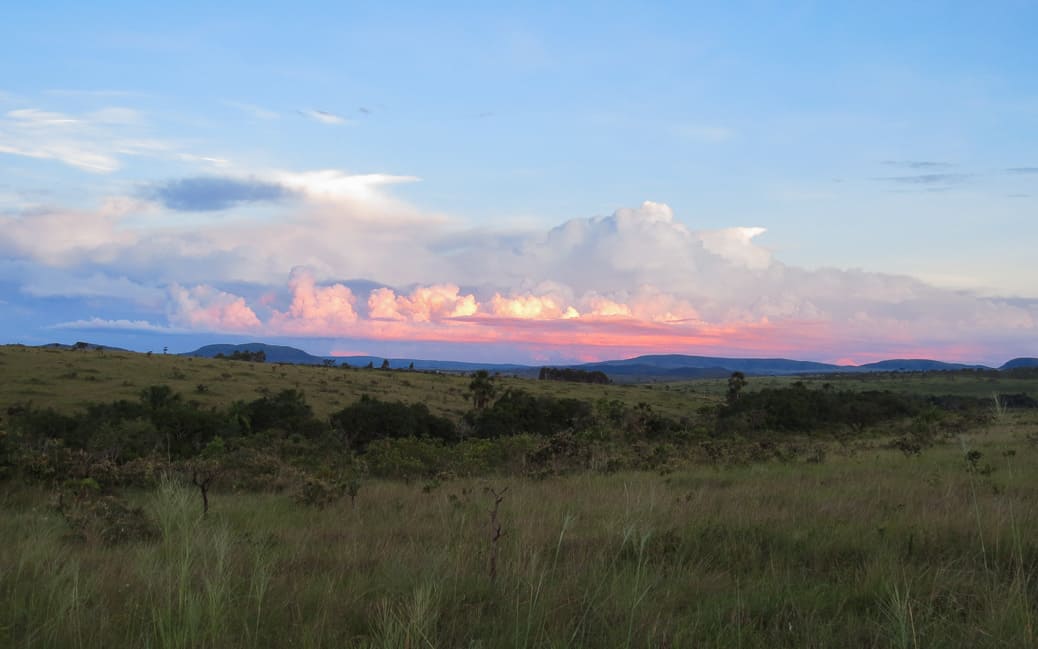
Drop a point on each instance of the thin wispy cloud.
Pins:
(324, 117)
(1022, 170)
(918, 164)
(257, 112)
(929, 179)
(97, 141)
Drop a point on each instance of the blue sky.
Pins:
(885, 157)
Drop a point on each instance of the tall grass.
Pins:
(874, 550)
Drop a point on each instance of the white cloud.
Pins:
(50, 282)
(120, 324)
(324, 117)
(638, 264)
(95, 142)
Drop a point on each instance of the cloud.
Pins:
(335, 185)
(46, 282)
(324, 117)
(315, 310)
(639, 279)
(257, 112)
(95, 142)
(1022, 170)
(918, 164)
(928, 179)
(119, 325)
(208, 309)
(69, 237)
(212, 193)
(424, 304)
(736, 245)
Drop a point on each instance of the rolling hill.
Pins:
(658, 367)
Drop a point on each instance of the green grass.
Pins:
(869, 548)
(68, 380)
(872, 549)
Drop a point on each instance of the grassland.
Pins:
(67, 380)
(869, 547)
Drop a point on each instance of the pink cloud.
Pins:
(424, 304)
(204, 307)
(545, 323)
(315, 310)
(531, 307)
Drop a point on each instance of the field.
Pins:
(861, 546)
(72, 379)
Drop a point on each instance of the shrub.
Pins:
(315, 492)
(97, 518)
(370, 419)
(518, 411)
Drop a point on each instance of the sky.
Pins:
(840, 182)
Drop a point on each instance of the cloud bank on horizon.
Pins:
(339, 258)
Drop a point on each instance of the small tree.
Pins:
(385, 364)
(736, 382)
(482, 389)
(205, 468)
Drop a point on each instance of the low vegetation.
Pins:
(748, 512)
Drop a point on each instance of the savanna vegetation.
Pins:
(160, 501)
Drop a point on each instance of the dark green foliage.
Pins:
(736, 382)
(287, 411)
(574, 375)
(643, 422)
(1017, 401)
(258, 356)
(482, 389)
(798, 409)
(370, 419)
(517, 411)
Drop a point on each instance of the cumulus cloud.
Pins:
(213, 193)
(208, 309)
(424, 304)
(315, 310)
(637, 280)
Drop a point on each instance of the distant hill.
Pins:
(916, 365)
(659, 367)
(672, 363)
(285, 354)
(1020, 362)
(275, 353)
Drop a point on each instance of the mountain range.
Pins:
(640, 368)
